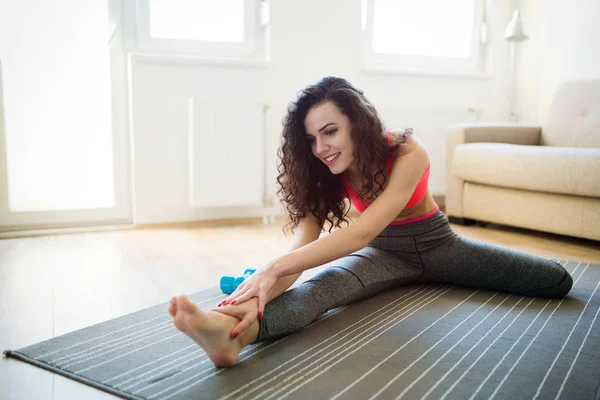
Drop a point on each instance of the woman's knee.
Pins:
(334, 279)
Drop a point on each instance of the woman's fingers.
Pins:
(248, 294)
(244, 323)
(244, 295)
(239, 290)
(231, 311)
(233, 295)
(261, 305)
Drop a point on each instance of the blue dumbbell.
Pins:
(230, 283)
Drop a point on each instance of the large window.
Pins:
(61, 158)
(223, 28)
(428, 35)
(64, 147)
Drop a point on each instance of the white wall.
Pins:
(309, 39)
(564, 44)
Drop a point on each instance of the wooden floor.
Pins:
(51, 285)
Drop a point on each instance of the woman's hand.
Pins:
(258, 285)
(246, 312)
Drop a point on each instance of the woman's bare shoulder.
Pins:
(408, 142)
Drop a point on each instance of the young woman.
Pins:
(334, 146)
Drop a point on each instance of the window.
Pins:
(56, 98)
(218, 28)
(428, 35)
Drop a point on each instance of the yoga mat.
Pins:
(433, 341)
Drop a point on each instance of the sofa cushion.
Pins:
(574, 118)
(566, 170)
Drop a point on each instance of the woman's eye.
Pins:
(331, 132)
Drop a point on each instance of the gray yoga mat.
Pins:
(417, 341)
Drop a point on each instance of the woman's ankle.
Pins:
(250, 334)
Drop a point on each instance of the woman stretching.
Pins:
(334, 146)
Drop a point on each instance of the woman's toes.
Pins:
(184, 304)
(173, 306)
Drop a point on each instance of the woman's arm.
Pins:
(409, 167)
(406, 173)
(308, 231)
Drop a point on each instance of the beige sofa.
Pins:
(545, 178)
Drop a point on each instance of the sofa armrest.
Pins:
(510, 133)
(496, 132)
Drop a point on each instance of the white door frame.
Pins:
(32, 222)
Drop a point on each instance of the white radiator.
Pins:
(430, 127)
(226, 153)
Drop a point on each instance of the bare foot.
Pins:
(211, 330)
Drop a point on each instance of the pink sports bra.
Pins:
(417, 196)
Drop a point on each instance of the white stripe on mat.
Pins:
(450, 349)
(363, 376)
(376, 314)
(577, 356)
(99, 353)
(479, 341)
(145, 365)
(163, 368)
(103, 350)
(113, 347)
(119, 340)
(123, 355)
(515, 343)
(456, 382)
(431, 348)
(537, 393)
(117, 331)
(533, 340)
(126, 354)
(246, 357)
(318, 374)
(323, 370)
(465, 355)
(196, 365)
(198, 382)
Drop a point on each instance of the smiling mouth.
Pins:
(332, 157)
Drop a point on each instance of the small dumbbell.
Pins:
(230, 283)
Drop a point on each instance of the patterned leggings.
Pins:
(423, 251)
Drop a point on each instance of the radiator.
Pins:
(226, 153)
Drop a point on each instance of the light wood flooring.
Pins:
(52, 285)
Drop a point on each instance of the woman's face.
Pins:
(328, 130)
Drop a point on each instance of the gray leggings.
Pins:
(422, 251)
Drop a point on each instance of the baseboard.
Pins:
(64, 231)
(279, 220)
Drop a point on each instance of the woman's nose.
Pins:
(321, 146)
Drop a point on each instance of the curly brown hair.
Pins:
(306, 185)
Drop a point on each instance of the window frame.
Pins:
(475, 65)
(248, 48)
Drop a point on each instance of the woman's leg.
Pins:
(448, 257)
(359, 275)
